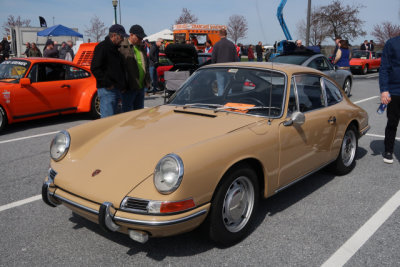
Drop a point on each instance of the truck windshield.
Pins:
(13, 70)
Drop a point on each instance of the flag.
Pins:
(42, 22)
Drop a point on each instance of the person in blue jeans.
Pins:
(389, 85)
(108, 68)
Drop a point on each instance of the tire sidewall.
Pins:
(93, 112)
(3, 115)
(217, 230)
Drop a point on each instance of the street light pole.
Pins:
(308, 23)
(115, 4)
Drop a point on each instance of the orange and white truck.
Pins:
(197, 33)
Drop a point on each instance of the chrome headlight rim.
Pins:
(180, 166)
(67, 145)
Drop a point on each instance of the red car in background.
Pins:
(363, 61)
(164, 65)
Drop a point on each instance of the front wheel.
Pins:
(345, 162)
(365, 69)
(95, 107)
(234, 206)
(3, 119)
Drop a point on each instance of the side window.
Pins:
(333, 94)
(50, 72)
(73, 73)
(309, 92)
(33, 73)
(319, 63)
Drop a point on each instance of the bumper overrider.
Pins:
(138, 226)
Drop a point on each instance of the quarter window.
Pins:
(73, 73)
(333, 94)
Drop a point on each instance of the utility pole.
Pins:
(308, 23)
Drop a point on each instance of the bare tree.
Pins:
(318, 31)
(237, 27)
(96, 29)
(15, 21)
(385, 31)
(186, 17)
(341, 20)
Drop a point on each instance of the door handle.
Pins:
(332, 120)
(65, 86)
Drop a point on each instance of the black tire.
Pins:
(238, 189)
(3, 119)
(95, 107)
(365, 69)
(346, 160)
(347, 86)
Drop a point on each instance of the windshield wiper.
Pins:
(200, 105)
(224, 108)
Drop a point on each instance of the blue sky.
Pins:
(156, 15)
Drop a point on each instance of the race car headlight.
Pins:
(168, 174)
(60, 145)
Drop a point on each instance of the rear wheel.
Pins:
(345, 162)
(347, 86)
(3, 119)
(365, 69)
(95, 107)
(233, 207)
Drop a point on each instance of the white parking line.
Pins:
(366, 99)
(352, 245)
(380, 136)
(27, 137)
(20, 203)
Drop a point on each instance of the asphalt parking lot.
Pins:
(324, 219)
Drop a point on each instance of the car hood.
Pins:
(126, 148)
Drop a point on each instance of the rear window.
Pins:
(292, 59)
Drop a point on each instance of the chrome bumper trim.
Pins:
(160, 223)
(365, 130)
(75, 204)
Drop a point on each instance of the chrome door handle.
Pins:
(332, 120)
(65, 86)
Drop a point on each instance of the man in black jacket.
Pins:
(108, 68)
(153, 59)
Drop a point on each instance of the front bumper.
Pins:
(112, 219)
(355, 67)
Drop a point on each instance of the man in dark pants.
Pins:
(389, 83)
(223, 51)
(108, 68)
(137, 69)
(259, 52)
(153, 59)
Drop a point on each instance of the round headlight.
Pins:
(60, 145)
(168, 174)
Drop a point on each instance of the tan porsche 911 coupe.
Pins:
(232, 134)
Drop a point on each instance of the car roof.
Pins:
(287, 68)
(49, 60)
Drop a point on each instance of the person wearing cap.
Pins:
(154, 62)
(136, 65)
(50, 50)
(108, 68)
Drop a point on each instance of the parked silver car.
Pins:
(319, 62)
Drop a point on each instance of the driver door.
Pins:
(306, 147)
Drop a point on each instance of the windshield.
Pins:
(13, 70)
(292, 59)
(243, 90)
(360, 54)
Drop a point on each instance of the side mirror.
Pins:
(25, 82)
(297, 118)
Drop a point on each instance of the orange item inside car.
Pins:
(238, 107)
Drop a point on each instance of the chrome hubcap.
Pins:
(347, 87)
(97, 104)
(238, 204)
(348, 148)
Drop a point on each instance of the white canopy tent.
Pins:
(164, 34)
